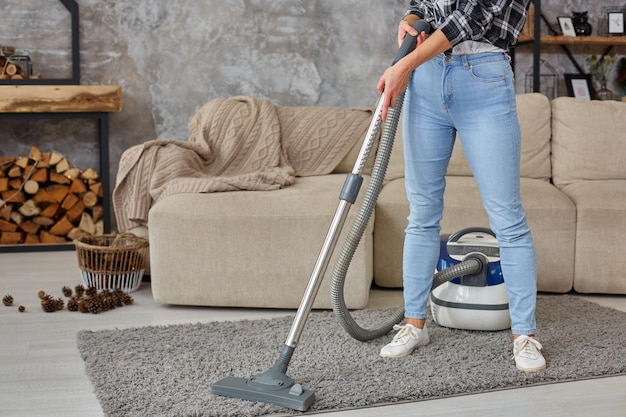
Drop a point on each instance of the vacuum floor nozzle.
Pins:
(291, 396)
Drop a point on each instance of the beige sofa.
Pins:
(258, 248)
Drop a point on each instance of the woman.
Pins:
(460, 80)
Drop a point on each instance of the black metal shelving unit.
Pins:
(102, 121)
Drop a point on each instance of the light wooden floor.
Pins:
(42, 374)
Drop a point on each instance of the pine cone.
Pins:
(48, 304)
(79, 290)
(118, 300)
(108, 303)
(95, 308)
(118, 297)
(7, 300)
(41, 294)
(128, 300)
(72, 304)
(67, 291)
(83, 305)
(21, 309)
(91, 291)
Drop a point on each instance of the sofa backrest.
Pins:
(533, 112)
(588, 140)
(334, 133)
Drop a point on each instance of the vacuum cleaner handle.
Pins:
(410, 41)
(458, 235)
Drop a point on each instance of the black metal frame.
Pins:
(72, 7)
(608, 24)
(570, 87)
(102, 119)
(570, 21)
(537, 48)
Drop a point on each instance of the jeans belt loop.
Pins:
(466, 63)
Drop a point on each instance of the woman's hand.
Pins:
(395, 79)
(405, 27)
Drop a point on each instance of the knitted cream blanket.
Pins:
(238, 143)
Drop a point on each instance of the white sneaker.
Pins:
(405, 341)
(527, 355)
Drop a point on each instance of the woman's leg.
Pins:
(484, 112)
(428, 142)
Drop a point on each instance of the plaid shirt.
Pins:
(498, 22)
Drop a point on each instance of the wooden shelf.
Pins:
(57, 102)
(583, 40)
(60, 98)
(577, 40)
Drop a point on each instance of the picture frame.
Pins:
(615, 23)
(579, 86)
(567, 25)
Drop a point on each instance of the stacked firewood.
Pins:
(45, 200)
(14, 67)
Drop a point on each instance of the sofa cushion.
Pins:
(315, 126)
(585, 140)
(600, 262)
(251, 248)
(534, 116)
(551, 216)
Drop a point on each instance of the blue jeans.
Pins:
(474, 95)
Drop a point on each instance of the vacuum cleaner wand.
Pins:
(274, 386)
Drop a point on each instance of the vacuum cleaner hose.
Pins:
(356, 233)
(469, 266)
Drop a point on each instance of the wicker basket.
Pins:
(112, 261)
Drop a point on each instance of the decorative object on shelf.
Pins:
(620, 78)
(604, 20)
(616, 23)
(547, 80)
(579, 86)
(600, 67)
(7, 50)
(567, 26)
(581, 24)
(15, 67)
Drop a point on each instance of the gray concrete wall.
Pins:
(171, 57)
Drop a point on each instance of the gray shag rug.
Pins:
(168, 370)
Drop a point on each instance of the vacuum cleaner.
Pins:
(475, 301)
(274, 386)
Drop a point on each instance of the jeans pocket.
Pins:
(489, 72)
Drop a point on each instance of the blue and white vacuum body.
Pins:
(472, 302)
